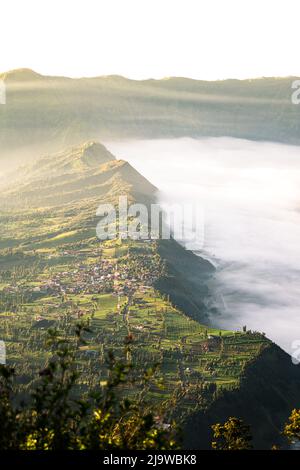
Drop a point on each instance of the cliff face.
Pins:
(270, 386)
(185, 279)
(268, 392)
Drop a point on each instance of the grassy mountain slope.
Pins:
(54, 271)
(80, 173)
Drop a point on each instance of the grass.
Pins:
(161, 333)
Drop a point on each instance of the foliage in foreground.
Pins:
(292, 428)
(57, 416)
(54, 417)
(234, 434)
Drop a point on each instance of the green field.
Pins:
(55, 273)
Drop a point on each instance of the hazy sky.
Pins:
(209, 39)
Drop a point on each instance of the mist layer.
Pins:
(250, 194)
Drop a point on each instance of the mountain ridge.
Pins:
(68, 176)
(24, 72)
(45, 114)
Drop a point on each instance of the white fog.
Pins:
(250, 192)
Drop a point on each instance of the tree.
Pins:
(57, 416)
(232, 435)
(292, 428)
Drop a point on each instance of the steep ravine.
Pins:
(269, 390)
(270, 386)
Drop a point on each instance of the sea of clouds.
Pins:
(250, 193)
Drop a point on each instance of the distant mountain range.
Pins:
(46, 113)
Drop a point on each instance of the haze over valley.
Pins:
(250, 193)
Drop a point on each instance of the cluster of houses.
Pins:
(105, 276)
(84, 279)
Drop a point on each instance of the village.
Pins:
(92, 274)
(112, 287)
